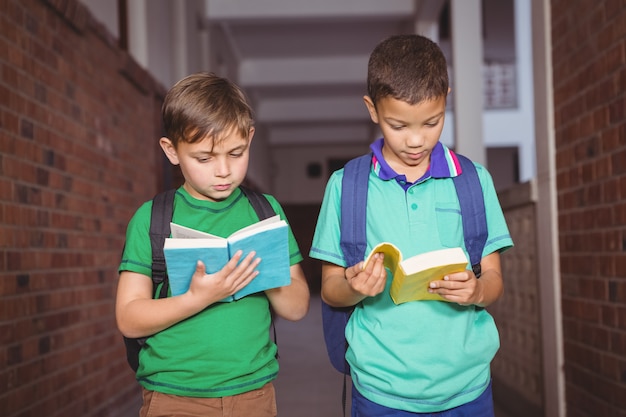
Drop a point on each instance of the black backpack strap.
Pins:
(263, 210)
(259, 202)
(162, 210)
(160, 218)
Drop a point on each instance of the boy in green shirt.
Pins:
(204, 356)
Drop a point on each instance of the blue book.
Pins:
(268, 238)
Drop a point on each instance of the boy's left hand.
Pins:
(461, 287)
(465, 289)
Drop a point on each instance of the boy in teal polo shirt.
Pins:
(205, 357)
(421, 357)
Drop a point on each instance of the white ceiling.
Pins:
(304, 63)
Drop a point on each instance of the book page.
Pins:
(268, 238)
(269, 223)
(186, 243)
(412, 276)
(393, 256)
(182, 232)
(434, 259)
(412, 279)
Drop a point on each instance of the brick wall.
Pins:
(517, 368)
(589, 57)
(79, 121)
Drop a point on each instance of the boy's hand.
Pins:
(139, 315)
(461, 287)
(369, 281)
(208, 289)
(343, 287)
(465, 289)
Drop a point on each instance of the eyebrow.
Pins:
(211, 152)
(393, 119)
(436, 116)
(237, 148)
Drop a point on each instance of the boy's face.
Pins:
(212, 171)
(411, 131)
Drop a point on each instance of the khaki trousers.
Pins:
(257, 403)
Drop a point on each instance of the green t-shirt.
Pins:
(226, 349)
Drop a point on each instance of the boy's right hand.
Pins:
(139, 315)
(343, 287)
(207, 289)
(369, 281)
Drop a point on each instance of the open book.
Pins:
(412, 276)
(268, 238)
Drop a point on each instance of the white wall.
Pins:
(289, 171)
(515, 126)
(279, 169)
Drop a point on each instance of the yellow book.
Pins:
(412, 276)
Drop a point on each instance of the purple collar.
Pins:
(443, 164)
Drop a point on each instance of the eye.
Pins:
(397, 127)
(432, 123)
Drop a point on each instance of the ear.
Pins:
(169, 150)
(251, 134)
(371, 108)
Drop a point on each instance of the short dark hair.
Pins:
(204, 105)
(411, 68)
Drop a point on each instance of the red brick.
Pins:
(588, 55)
(67, 194)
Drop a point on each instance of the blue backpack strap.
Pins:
(470, 194)
(353, 243)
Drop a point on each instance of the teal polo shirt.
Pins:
(423, 356)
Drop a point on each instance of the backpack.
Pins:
(353, 240)
(161, 216)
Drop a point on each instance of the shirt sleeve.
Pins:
(325, 246)
(137, 253)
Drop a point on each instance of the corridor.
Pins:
(307, 385)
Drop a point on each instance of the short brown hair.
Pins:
(411, 68)
(204, 105)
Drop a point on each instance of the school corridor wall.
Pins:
(79, 124)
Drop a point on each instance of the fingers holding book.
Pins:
(368, 279)
(238, 272)
(458, 287)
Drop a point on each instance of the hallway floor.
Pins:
(307, 385)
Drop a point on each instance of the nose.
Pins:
(415, 139)
(222, 167)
